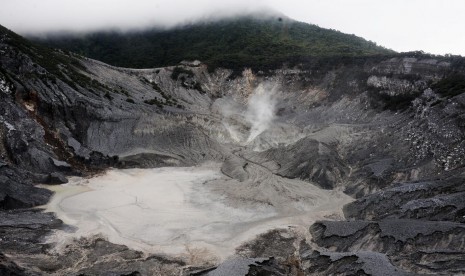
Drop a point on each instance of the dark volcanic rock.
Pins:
(416, 234)
(56, 178)
(17, 194)
(434, 199)
(61, 165)
(356, 263)
(24, 230)
(307, 159)
(406, 242)
(9, 268)
(277, 243)
(96, 256)
(148, 160)
(245, 267)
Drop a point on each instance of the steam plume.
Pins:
(244, 123)
(260, 110)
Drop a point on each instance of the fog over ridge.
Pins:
(51, 16)
(434, 26)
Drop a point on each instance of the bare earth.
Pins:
(175, 210)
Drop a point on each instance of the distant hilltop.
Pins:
(246, 41)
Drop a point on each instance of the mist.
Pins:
(30, 17)
(246, 121)
(261, 109)
(435, 26)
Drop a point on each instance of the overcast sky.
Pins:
(435, 26)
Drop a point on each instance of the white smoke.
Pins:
(260, 110)
(246, 122)
(232, 119)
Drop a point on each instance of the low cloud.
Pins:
(44, 16)
(245, 122)
(435, 26)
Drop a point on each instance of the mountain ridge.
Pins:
(246, 41)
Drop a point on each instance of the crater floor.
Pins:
(178, 210)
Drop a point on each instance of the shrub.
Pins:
(450, 86)
(198, 87)
(154, 101)
(179, 70)
(108, 96)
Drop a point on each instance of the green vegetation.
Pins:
(155, 87)
(450, 86)
(179, 71)
(167, 100)
(153, 84)
(121, 91)
(59, 64)
(198, 87)
(234, 43)
(160, 103)
(398, 102)
(108, 96)
(447, 87)
(154, 101)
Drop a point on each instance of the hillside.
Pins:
(231, 43)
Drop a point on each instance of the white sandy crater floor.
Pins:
(171, 210)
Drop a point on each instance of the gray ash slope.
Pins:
(387, 131)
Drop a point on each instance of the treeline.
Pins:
(234, 43)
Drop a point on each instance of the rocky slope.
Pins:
(387, 131)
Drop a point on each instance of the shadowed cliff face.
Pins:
(388, 132)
